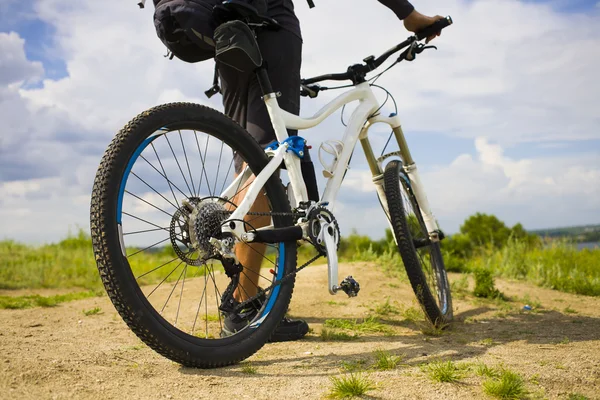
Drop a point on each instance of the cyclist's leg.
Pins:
(242, 101)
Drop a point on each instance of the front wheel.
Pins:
(421, 257)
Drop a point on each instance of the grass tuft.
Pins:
(484, 284)
(385, 361)
(413, 314)
(442, 371)
(353, 385)
(21, 302)
(484, 370)
(577, 396)
(330, 335)
(248, 368)
(386, 308)
(369, 324)
(93, 311)
(508, 385)
(354, 365)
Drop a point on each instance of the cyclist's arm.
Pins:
(402, 8)
(413, 20)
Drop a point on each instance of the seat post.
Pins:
(263, 80)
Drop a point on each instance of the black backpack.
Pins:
(186, 28)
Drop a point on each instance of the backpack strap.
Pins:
(215, 88)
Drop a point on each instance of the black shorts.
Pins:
(282, 54)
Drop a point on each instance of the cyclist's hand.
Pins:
(417, 21)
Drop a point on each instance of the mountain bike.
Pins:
(167, 216)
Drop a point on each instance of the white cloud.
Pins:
(506, 72)
(15, 68)
(538, 192)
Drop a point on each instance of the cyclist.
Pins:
(282, 53)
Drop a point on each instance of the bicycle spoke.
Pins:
(206, 154)
(160, 266)
(205, 306)
(166, 277)
(199, 305)
(171, 184)
(188, 164)
(181, 294)
(227, 176)
(154, 190)
(147, 230)
(203, 174)
(149, 247)
(255, 273)
(217, 295)
(178, 165)
(262, 255)
(141, 219)
(218, 167)
(150, 204)
(172, 290)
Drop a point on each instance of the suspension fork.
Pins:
(410, 167)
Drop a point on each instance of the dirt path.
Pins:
(61, 353)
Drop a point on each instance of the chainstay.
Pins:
(244, 303)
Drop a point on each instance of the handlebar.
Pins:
(434, 28)
(357, 72)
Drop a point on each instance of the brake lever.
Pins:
(411, 53)
(420, 50)
(311, 91)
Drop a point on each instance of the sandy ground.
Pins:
(60, 353)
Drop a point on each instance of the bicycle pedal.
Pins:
(350, 286)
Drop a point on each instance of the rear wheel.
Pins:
(156, 203)
(422, 258)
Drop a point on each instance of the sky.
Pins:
(504, 118)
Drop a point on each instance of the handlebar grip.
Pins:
(434, 28)
(329, 77)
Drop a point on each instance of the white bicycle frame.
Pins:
(357, 129)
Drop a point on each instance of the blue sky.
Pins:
(501, 119)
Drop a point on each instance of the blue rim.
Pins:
(132, 161)
(280, 264)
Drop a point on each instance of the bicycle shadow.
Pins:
(461, 340)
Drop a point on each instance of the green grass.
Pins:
(442, 371)
(577, 396)
(460, 287)
(508, 385)
(337, 303)
(92, 311)
(369, 324)
(349, 386)
(385, 308)
(385, 361)
(412, 314)
(484, 284)
(558, 265)
(330, 335)
(354, 365)
(20, 302)
(248, 368)
(485, 371)
(569, 310)
(429, 329)
(70, 264)
(211, 318)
